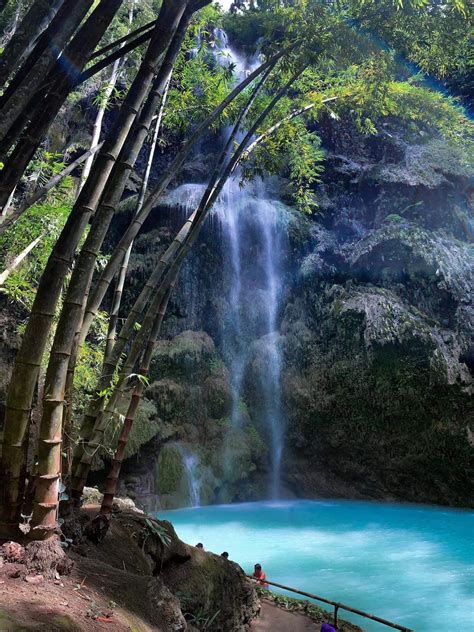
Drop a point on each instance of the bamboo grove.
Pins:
(57, 49)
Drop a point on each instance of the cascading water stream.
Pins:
(191, 468)
(191, 463)
(251, 233)
(252, 237)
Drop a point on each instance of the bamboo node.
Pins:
(19, 409)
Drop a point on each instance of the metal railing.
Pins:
(337, 606)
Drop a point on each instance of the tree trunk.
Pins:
(44, 512)
(27, 362)
(85, 266)
(63, 77)
(112, 478)
(124, 40)
(21, 44)
(109, 203)
(97, 128)
(69, 387)
(24, 86)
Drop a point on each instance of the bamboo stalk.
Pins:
(112, 478)
(28, 360)
(30, 28)
(126, 38)
(19, 258)
(113, 318)
(181, 245)
(41, 64)
(82, 274)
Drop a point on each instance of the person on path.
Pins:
(259, 575)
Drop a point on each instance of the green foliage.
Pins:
(256, 442)
(435, 35)
(103, 100)
(198, 84)
(46, 220)
(169, 470)
(347, 75)
(159, 531)
(42, 168)
(216, 365)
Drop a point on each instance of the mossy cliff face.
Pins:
(375, 335)
(184, 463)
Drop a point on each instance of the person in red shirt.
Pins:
(259, 575)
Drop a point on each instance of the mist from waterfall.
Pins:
(191, 464)
(191, 470)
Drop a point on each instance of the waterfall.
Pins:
(191, 468)
(252, 231)
(191, 463)
(252, 235)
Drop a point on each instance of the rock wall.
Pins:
(184, 463)
(375, 335)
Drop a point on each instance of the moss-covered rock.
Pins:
(213, 591)
(169, 470)
(375, 392)
(187, 356)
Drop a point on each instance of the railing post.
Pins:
(336, 608)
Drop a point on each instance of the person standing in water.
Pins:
(259, 575)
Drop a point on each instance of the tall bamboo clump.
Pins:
(28, 360)
(94, 417)
(97, 203)
(71, 313)
(158, 306)
(25, 372)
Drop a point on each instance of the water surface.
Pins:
(413, 565)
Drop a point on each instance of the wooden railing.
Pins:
(337, 606)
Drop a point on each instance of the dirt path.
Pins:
(274, 619)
